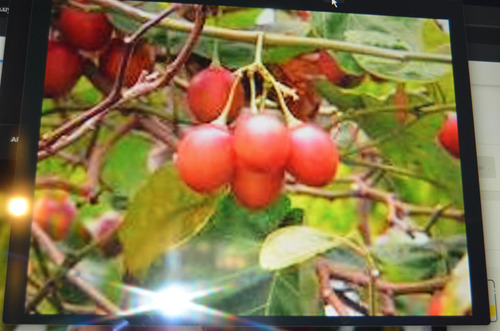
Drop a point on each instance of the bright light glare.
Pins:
(175, 300)
(18, 206)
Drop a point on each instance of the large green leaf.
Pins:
(292, 245)
(163, 214)
(397, 33)
(410, 261)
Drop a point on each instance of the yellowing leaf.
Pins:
(293, 244)
(163, 214)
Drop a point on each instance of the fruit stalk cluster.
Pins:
(253, 154)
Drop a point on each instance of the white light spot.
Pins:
(18, 206)
(175, 300)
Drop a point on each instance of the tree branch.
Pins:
(277, 39)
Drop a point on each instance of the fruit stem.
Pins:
(222, 119)
(258, 47)
(289, 118)
(215, 54)
(251, 78)
(263, 98)
(215, 51)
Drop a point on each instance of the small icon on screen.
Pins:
(334, 3)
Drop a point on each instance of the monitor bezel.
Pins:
(37, 12)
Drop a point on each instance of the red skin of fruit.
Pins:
(205, 158)
(142, 59)
(256, 189)
(62, 69)
(54, 215)
(313, 156)
(208, 93)
(261, 142)
(89, 31)
(448, 136)
(436, 306)
(106, 235)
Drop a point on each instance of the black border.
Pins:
(39, 12)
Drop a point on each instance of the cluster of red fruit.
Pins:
(89, 33)
(252, 155)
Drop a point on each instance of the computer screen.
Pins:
(276, 164)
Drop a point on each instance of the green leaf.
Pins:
(163, 214)
(238, 19)
(104, 274)
(292, 245)
(333, 26)
(84, 93)
(295, 292)
(125, 171)
(409, 261)
(414, 147)
(396, 33)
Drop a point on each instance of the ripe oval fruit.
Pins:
(208, 93)
(261, 142)
(142, 58)
(205, 158)
(62, 69)
(256, 189)
(448, 136)
(83, 29)
(313, 156)
(55, 215)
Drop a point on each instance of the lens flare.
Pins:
(18, 206)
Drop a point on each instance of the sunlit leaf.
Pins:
(163, 214)
(292, 245)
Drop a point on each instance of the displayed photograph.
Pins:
(214, 162)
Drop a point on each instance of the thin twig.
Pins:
(158, 130)
(54, 183)
(85, 121)
(365, 192)
(59, 258)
